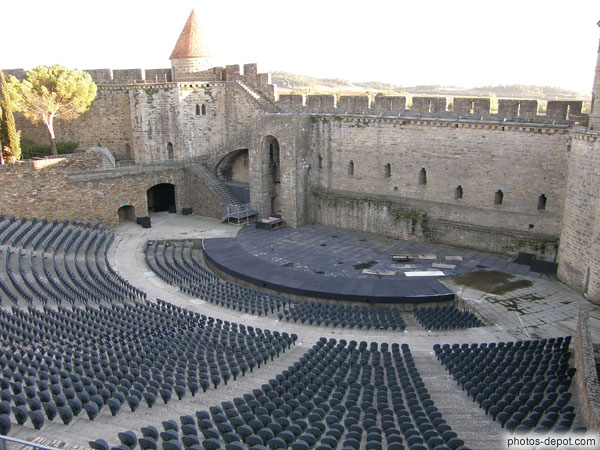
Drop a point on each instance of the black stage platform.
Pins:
(227, 255)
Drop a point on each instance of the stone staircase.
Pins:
(107, 159)
(261, 100)
(459, 410)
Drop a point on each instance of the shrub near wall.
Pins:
(30, 149)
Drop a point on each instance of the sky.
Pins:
(452, 43)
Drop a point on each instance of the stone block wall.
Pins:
(558, 112)
(200, 198)
(594, 123)
(159, 75)
(579, 259)
(70, 188)
(188, 116)
(429, 160)
(416, 168)
(586, 377)
(106, 124)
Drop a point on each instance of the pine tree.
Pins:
(49, 93)
(11, 138)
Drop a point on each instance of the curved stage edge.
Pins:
(226, 255)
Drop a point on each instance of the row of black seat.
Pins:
(445, 318)
(176, 264)
(81, 272)
(59, 363)
(523, 385)
(338, 395)
(345, 316)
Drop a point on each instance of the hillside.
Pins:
(294, 83)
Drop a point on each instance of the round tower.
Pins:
(190, 54)
(579, 258)
(595, 108)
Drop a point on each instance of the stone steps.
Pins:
(465, 417)
(263, 102)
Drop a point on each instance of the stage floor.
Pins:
(319, 262)
(342, 253)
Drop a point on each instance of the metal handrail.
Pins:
(105, 152)
(5, 439)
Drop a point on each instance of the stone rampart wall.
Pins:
(579, 259)
(509, 110)
(71, 189)
(106, 124)
(459, 169)
(586, 377)
(425, 221)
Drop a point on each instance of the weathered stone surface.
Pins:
(510, 181)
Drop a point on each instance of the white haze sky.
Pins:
(460, 43)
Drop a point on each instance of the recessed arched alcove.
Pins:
(126, 213)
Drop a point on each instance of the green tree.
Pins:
(10, 138)
(55, 92)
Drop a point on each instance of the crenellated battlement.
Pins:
(107, 77)
(557, 112)
(472, 108)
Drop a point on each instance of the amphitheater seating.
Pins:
(345, 316)
(176, 264)
(73, 265)
(338, 395)
(523, 385)
(57, 364)
(445, 318)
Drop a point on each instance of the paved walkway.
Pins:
(542, 309)
(538, 315)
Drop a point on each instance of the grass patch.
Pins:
(492, 281)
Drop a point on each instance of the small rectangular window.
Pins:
(541, 202)
(498, 197)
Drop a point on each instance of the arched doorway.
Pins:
(161, 197)
(126, 213)
(273, 171)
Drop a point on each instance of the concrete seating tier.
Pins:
(57, 364)
(338, 395)
(523, 385)
(51, 262)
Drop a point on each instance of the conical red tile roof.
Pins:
(189, 44)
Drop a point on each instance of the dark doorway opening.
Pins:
(161, 197)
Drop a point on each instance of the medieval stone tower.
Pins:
(595, 108)
(190, 54)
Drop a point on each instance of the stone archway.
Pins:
(161, 197)
(234, 170)
(126, 213)
(234, 166)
